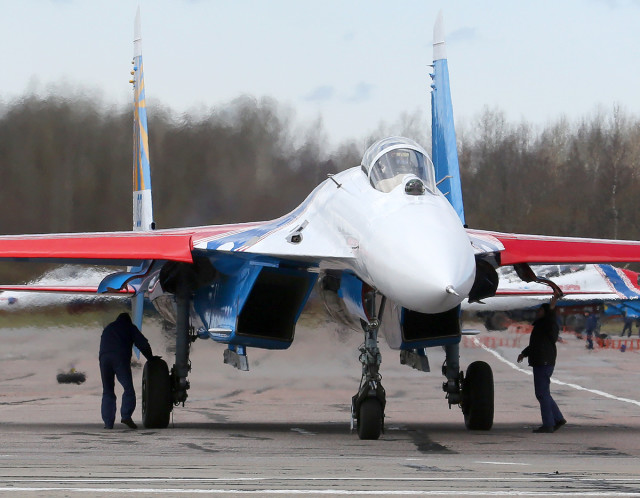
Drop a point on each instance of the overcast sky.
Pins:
(354, 63)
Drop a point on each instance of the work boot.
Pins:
(129, 423)
(559, 424)
(543, 429)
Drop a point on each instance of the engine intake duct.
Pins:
(274, 304)
(424, 327)
(486, 281)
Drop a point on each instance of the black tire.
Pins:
(156, 394)
(370, 419)
(477, 397)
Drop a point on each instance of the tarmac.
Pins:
(283, 428)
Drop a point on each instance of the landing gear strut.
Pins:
(161, 389)
(451, 370)
(180, 370)
(367, 406)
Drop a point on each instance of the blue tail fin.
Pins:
(142, 205)
(443, 132)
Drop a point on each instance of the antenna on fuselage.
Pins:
(330, 176)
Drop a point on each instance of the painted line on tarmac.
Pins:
(339, 492)
(486, 463)
(435, 492)
(555, 381)
(303, 431)
(555, 478)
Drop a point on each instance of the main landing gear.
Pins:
(477, 396)
(367, 406)
(162, 390)
(473, 391)
(156, 394)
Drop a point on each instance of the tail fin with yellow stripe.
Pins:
(142, 204)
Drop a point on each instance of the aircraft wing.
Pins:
(97, 248)
(511, 248)
(119, 248)
(270, 239)
(582, 284)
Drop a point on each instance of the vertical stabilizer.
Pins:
(443, 132)
(142, 205)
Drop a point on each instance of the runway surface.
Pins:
(282, 429)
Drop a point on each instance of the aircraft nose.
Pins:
(429, 270)
(436, 284)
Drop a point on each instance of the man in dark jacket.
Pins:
(628, 325)
(116, 344)
(542, 353)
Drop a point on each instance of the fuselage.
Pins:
(388, 225)
(413, 249)
(386, 222)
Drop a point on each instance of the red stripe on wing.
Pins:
(98, 246)
(172, 244)
(63, 289)
(541, 249)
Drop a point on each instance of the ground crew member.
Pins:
(542, 353)
(116, 344)
(628, 323)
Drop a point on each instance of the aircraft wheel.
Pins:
(477, 397)
(370, 419)
(156, 394)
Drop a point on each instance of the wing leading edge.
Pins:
(119, 248)
(130, 248)
(511, 248)
(116, 248)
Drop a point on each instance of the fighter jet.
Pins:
(384, 241)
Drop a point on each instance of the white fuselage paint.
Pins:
(408, 247)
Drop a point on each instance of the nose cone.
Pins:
(423, 263)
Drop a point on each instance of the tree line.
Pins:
(577, 178)
(66, 167)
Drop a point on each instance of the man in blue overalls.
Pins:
(116, 344)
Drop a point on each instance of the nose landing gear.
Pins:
(367, 406)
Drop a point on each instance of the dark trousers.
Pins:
(112, 366)
(548, 409)
(589, 339)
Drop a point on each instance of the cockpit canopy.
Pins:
(388, 161)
